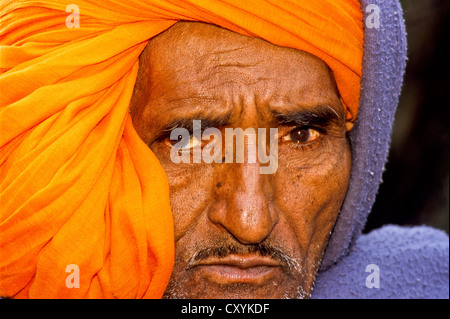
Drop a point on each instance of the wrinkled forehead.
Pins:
(195, 47)
(193, 59)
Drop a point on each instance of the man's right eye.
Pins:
(183, 143)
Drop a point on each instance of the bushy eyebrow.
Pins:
(319, 117)
(187, 122)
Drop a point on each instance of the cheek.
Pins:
(310, 189)
(191, 187)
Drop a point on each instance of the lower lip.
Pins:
(226, 274)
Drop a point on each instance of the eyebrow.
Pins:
(320, 117)
(188, 123)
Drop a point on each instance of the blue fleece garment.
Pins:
(413, 262)
(391, 262)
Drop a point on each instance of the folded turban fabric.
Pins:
(78, 186)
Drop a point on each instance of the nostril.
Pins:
(250, 230)
(248, 218)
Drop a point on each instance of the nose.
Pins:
(247, 213)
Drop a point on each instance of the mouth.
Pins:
(248, 269)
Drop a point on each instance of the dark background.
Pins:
(415, 190)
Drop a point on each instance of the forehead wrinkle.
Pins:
(236, 58)
(296, 100)
(221, 70)
(183, 107)
(232, 69)
(217, 53)
(242, 59)
(201, 103)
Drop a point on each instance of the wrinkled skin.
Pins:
(239, 233)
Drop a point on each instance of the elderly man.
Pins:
(94, 204)
(239, 232)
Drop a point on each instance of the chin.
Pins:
(201, 285)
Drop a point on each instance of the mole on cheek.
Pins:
(219, 185)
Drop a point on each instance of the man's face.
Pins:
(239, 233)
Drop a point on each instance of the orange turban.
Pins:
(78, 186)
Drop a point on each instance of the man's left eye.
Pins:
(302, 135)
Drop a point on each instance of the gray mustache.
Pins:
(259, 249)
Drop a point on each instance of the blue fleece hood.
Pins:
(410, 262)
(383, 67)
